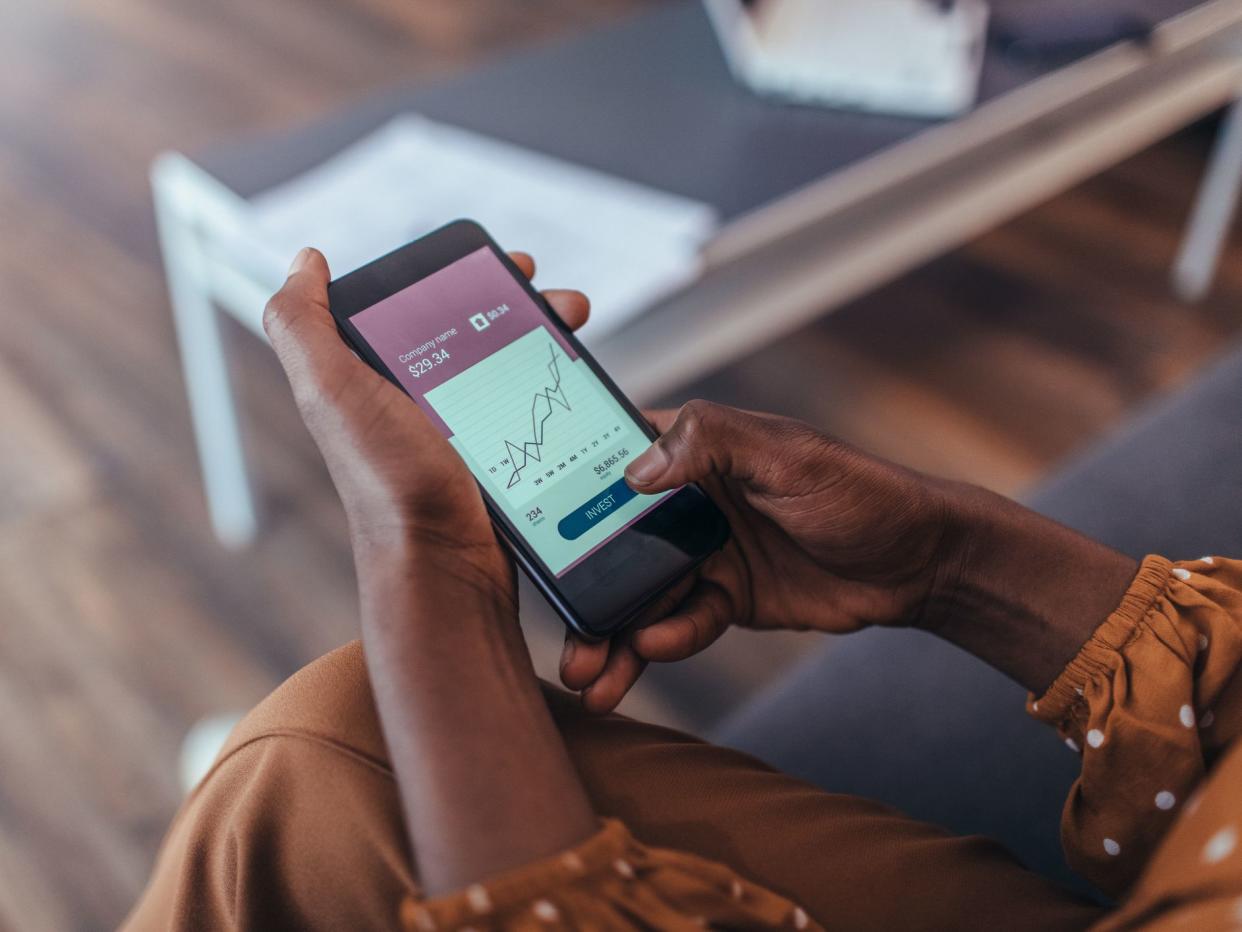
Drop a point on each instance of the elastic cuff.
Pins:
(1099, 653)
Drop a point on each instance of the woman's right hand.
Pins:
(826, 537)
(823, 537)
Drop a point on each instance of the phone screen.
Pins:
(539, 430)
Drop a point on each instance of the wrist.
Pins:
(451, 574)
(952, 523)
(1019, 590)
(477, 758)
(456, 526)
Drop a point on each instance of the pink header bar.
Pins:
(442, 313)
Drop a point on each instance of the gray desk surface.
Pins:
(649, 99)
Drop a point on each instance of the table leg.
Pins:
(212, 409)
(1213, 212)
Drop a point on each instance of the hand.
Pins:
(824, 537)
(395, 473)
(484, 777)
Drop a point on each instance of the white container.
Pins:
(907, 57)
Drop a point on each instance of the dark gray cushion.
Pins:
(901, 717)
(904, 718)
(1171, 483)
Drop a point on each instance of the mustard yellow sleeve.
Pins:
(609, 882)
(1150, 703)
(1194, 879)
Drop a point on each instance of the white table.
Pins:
(800, 237)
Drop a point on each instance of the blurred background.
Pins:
(991, 349)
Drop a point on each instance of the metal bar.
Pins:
(212, 407)
(773, 290)
(1213, 213)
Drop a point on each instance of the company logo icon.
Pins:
(480, 322)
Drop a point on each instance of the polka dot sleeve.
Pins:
(1150, 703)
(610, 881)
(1194, 879)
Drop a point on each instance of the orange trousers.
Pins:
(299, 825)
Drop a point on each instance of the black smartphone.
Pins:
(456, 325)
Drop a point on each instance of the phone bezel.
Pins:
(397, 270)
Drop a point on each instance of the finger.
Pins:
(297, 321)
(622, 671)
(524, 262)
(692, 628)
(582, 661)
(705, 440)
(573, 307)
(661, 418)
(664, 604)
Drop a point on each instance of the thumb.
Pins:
(296, 318)
(703, 440)
(304, 334)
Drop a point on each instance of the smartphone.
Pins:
(456, 325)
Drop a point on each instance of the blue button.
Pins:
(586, 516)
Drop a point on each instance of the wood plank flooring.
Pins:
(122, 620)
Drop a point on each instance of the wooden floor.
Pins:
(122, 621)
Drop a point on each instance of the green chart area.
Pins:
(544, 437)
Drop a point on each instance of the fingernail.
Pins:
(567, 654)
(299, 260)
(648, 467)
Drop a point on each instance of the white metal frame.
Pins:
(798, 258)
(1213, 213)
(191, 208)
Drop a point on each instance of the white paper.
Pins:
(624, 244)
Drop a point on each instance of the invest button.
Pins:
(586, 516)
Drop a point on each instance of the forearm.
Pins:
(1020, 591)
(484, 777)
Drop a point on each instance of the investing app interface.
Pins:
(535, 425)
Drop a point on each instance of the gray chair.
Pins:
(902, 717)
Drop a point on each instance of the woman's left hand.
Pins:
(484, 777)
(397, 476)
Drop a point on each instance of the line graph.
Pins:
(529, 449)
(529, 416)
